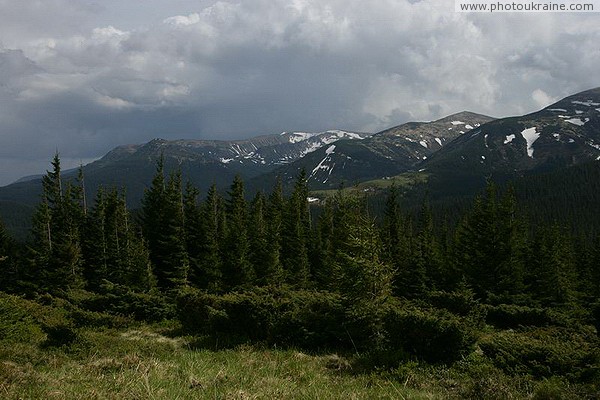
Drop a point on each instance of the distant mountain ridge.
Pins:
(266, 150)
(386, 153)
(203, 162)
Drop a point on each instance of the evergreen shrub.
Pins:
(505, 316)
(596, 317)
(274, 315)
(461, 302)
(59, 330)
(17, 322)
(120, 300)
(434, 335)
(545, 352)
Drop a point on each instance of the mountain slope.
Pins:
(386, 153)
(561, 135)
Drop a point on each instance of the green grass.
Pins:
(142, 363)
(403, 181)
(133, 360)
(145, 362)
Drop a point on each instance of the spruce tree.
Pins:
(258, 231)
(128, 256)
(153, 209)
(427, 267)
(489, 246)
(364, 279)
(163, 227)
(363, 274)
(323, 261)
(136, 269)
(174, 259)
(56, 251)
(237, 271)
(210, 272)
(397, 239)
(512, 241)
(273, 269)
(113, 251)
(95, 243)
(193, 233)
(40, 248)
(294, 255)
(552, 275)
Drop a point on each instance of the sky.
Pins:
(81, 77)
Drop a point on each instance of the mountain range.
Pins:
(384, 154)
(562, 135)
(457, 154)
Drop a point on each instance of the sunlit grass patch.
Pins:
(143, 363)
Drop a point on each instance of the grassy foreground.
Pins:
(143, 364)
(54, 350)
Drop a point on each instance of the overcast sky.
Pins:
(84, 76)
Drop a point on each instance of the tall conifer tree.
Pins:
(163, 227)
(210, 273)
(398, 243)
(295, 234)
(489, 245)
(258, 232)
(273, 269)
(238, 271)
(56, 253)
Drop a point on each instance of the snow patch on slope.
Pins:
(344, 134)
(587, 103)
(530, 135)
(296, 137)
(577, 121)
(311, 148)
(594, 145)
(322, 165)
(509, 139)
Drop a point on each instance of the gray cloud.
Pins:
(85, 76)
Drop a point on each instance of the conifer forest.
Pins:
(489, 304)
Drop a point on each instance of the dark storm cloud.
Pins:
(82, 77)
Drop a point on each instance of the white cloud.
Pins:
(113, 102)
(183, 19)
(541, 98)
